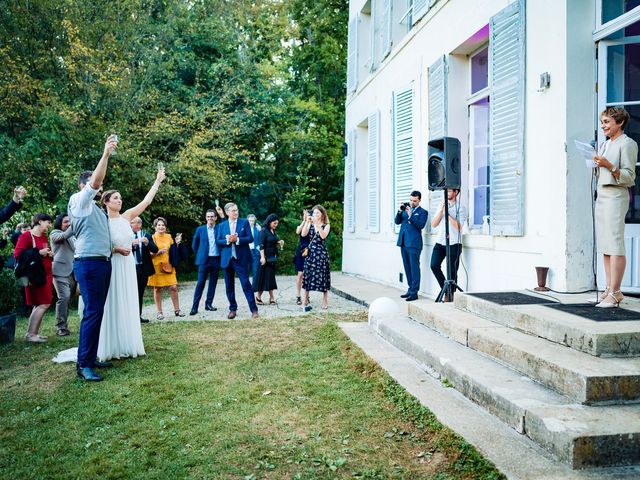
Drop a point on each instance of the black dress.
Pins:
(266, 277)
(316, 276)
(298, 259)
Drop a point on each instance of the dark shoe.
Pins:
(88, 374)
(210, 308)
(144, 320)
(231, 315)
(406, 295)
(193, 311)
(255, 314)
(102, 364)
(298, 301)
(412, 298)
(63, 332)
(259, 301)
(178, 313)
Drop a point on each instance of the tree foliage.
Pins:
(241, 101)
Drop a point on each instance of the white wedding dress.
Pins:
(120, 332)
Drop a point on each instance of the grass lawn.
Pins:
(277, 399)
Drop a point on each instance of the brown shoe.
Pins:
(255, 314)
(231, 315)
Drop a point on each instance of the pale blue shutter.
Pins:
(437, 74)
(420, 7)
(374, 173)
(385, 26)
(350, 183)
(375, 33)
(352, 55)
(402, 146)
(506, 121)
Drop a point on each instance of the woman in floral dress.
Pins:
(316, 276)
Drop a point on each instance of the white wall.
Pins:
(550, 197)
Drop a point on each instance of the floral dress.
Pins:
(316, 276)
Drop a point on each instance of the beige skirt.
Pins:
(611, 208)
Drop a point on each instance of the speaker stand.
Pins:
(450, 286)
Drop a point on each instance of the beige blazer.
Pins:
(623, 154)
(62, 247)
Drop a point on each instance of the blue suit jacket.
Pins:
(410, 235)
(200, 243)
(243, 253)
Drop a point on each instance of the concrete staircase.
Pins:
(569, 384)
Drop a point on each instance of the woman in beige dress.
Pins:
(616, 163)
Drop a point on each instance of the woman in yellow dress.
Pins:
(165, 275)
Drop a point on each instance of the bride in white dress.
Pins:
(120, 332)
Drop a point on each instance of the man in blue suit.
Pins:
(233, 238)
(208, 262)
(412, 218)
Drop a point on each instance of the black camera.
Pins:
(310, 212)
(404, 206)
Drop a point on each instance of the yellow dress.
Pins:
(161, 279)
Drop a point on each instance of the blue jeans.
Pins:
(93, 277)
(411, 262)
(229, 280)
(209, 269)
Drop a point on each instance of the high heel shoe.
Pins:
(604, 294)
(612, 300)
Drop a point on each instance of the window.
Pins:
(619, 76)
(380, 31)
(478, 104)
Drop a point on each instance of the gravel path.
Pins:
(285, 303)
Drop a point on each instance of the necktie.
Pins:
(233, 245)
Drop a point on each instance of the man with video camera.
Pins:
(412, 218)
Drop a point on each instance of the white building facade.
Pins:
(516, 81)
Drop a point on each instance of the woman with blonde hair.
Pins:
(317, 275)
(165, 275)
(615, 162)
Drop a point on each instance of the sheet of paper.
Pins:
(586, 152)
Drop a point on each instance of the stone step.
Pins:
(583, 378)
(607, 339)
(580, 436)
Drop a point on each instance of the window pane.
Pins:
(623, 73)
(614, 8)
(480, 175)
(480, 70)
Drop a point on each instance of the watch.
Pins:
(613, 170)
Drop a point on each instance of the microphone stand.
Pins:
(450, 286)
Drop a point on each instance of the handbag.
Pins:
(166, 267)
(272, 259)
(24, 265)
